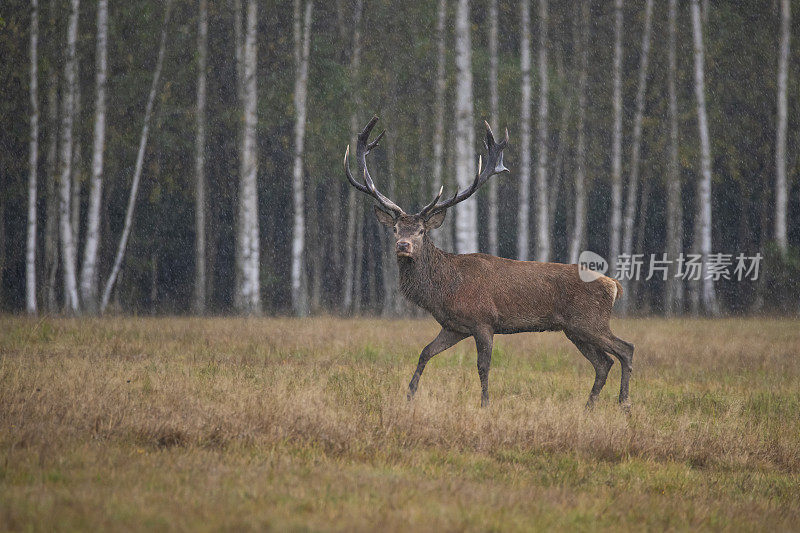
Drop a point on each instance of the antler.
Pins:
(494, 165)
(362, 149)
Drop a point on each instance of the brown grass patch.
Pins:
(314, 413)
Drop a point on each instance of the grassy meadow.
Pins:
(276, 424)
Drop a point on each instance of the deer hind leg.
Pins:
(483, 343)
(623, 351)
(601, 362)
(444, 340)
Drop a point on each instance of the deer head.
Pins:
(410, 230)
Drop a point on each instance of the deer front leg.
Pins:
(444, 340)
(483, 343)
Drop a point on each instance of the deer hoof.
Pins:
(625, 405)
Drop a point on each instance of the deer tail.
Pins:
(617, 290)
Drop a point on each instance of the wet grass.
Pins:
(179, 423)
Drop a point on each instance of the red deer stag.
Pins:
(481, 295)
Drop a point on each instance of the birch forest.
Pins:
(184, 156)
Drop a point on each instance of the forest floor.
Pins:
(228, 423)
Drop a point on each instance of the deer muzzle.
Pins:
(403, 248)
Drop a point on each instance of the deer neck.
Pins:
(427, 278)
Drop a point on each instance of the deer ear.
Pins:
(383, 217)
(435, 220)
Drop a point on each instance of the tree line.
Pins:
(185, 156)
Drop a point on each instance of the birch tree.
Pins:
(137, 171)
(579, 222)
(494, 107)
(439, 178)
(542, 207)
(631, 203)
(616, 146)
(523, 222)
(353, 211)
(76, 180)
(89, 268)
(703, 215)
(466, 214)
(781, 186)
(674, 287)
(33, 163)
(64, 213)
(248, 295)
(301, 51)
(199, 296)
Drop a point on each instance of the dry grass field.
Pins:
(208, 424)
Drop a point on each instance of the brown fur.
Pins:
(463, 291)
(482, 295)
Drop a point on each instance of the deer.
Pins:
(479, 295)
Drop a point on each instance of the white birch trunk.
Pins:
(542, 207)
(466, 213)
(238, 48)
(674, 287)
(352, 204)
(64, 214)
(632, 204)
(301, 51)
(579, 223)
(781, 187)
(33, 163)
(199, 300)
(76, 180)
(89, 268)
(439, 177)
(616, 147)
(703, 216)
(523, 214)
(248, 294)
(641, 91)
(137, 172)
(494, 108)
